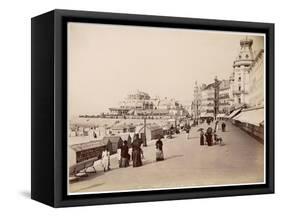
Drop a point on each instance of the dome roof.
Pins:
(245, 56)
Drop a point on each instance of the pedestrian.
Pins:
(119, 155)
(91, 134)
(188, 130)
(223, 127)
(137, 152)
(202, 142)
(106, 159)
(187, 133)
(209, 136)
(124, 162)
(159, 150)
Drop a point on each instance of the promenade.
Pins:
(240, 159)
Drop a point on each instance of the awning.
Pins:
(255, 116)
(233, 113)
(131, 112)
(206, 115)
(221, 115)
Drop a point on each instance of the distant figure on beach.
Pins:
(106, 159)
(124, 162)
(136, 152)
(159, 150)
(223, 125)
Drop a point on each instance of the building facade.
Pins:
(256, 88)
(240, 76)
(207, 100)
(210, 101)
(243, 89)
(225, 101)
(141, 104)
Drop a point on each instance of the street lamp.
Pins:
(144, 130)
(197, 110)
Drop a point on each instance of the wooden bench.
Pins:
(82, 167)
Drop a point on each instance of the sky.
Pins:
(107, 62)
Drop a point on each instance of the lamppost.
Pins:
(216, 97)
(197, 110)
(144, 130)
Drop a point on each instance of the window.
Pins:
(239, 79)
(239, 88)
(247, 56)
(239, 100)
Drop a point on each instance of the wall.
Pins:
(256, 96)
(15, 107)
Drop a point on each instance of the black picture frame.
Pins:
(49, 108)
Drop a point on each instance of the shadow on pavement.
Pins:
(90, 186)
(165, 159)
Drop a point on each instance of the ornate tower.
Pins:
(240, 76)
(196, 101)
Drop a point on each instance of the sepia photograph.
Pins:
(152, 108)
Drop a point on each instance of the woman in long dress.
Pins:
(124, 155)
(136, 152)
(159, 150)
(202, 142)
(223, 127)
(106, 159)
(209, 136)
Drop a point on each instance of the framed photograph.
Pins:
(134, 108)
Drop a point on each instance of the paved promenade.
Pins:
(240, 159)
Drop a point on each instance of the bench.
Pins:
(82, 167)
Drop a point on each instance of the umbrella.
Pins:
(200, 129)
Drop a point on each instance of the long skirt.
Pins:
(136, 158)
(202, 140)
(209, 140)
(124, 162)
(159, 155)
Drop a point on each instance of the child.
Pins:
(106, 160)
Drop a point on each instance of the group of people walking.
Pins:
(125, 154)
(134, 154)
(211, 135)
